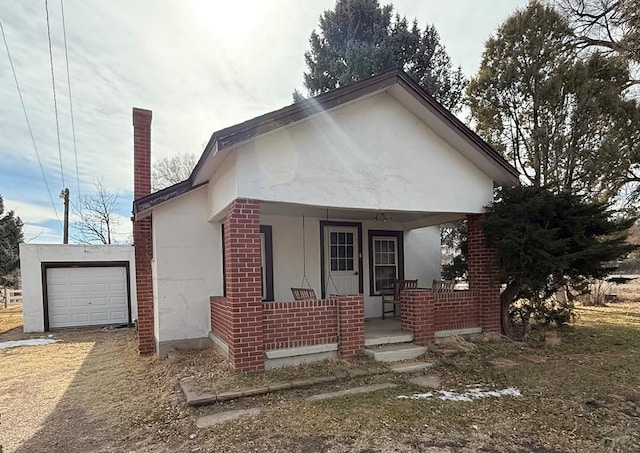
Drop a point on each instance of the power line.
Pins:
(53, 82)
(26, 117)
(73, 127)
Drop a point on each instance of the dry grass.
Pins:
(10, 317)
(628, 292)
(92, 392)
(214, 374)
(81, 394)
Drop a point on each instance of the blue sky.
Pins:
(200, 65)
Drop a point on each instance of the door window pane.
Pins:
(341, 251)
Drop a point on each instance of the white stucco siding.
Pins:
(154, 284)
(188, 267)
(223, 187)
(33, 255)
(370, 154)
(421, 256)
(288, 253)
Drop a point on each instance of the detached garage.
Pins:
(77, 286)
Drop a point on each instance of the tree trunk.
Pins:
(507, 297)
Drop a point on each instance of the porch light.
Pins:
(381, 217)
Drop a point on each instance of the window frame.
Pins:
(267, 266)
(399, 238)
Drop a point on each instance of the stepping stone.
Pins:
(410, 367)
(502, 362)
(429, 382)
(188, 386)
(215, 419)
(536, 359)
(352, 391)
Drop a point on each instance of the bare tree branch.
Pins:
(96, 215)
(172, 170)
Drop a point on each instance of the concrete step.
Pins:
(395, 352)
(404, 337)
(410, 367)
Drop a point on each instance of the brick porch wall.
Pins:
(248, 326)
(416, 314)
(350, 324)
(299, 323)
(142, 239)
(424, 312)
(456, 310)
(244, 285)
(482, 262)
(220, 312)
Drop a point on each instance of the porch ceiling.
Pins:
(408, 219)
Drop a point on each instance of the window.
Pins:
(341, 251)
(385, 259)
(385, 263)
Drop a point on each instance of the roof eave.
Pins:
(143, 206)
(277, 119)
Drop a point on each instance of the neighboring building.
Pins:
(77, 285)
(345, 192)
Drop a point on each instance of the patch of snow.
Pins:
(416, 396)
(469, 395)
(32, 342)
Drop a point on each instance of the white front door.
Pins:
(341, 260)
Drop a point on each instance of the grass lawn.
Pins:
(10, 318)
(91, 392)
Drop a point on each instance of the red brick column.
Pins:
(482, 262)
(417, 314)
(350, 324)
(243, 281)
(142, 239)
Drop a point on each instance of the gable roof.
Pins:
(231, 136)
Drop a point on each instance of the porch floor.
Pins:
(378, 328)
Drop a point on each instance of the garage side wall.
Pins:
(33, 255)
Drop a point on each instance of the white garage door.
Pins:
(85, 296)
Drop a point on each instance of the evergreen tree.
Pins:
(359, 38)
(10, 238)
(549, 241)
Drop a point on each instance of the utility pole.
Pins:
(65, 196)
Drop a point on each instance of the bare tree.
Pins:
(96, 215)
(610, 26)
(172, 170)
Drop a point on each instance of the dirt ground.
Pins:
(92, 392)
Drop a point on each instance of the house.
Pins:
(342, 193)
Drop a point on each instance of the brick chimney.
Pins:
(141, 152)
(142, 240)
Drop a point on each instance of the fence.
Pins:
(10, 296)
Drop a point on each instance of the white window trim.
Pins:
(373, 258)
